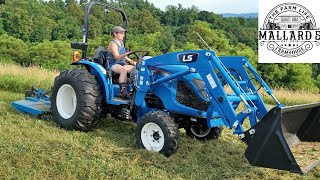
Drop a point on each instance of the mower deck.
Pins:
(32, 106)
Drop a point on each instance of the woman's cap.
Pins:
(118, 29)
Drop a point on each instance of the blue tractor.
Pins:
(193, 89)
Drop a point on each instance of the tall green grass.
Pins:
(15, 78)
(289, 98)
(31, 148)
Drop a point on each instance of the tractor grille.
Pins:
(187, 97)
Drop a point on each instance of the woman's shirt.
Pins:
(121, 50)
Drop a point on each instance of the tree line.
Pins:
(38, 32)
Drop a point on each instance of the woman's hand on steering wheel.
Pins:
(135, 53)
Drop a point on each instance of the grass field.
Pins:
(32, 148)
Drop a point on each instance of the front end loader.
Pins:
(195, 90)
(272, 136)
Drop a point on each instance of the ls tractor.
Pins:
(175, 90)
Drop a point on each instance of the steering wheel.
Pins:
(139, 58)
(136, 54)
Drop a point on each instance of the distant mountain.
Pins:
(245, 15)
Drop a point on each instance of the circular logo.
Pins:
(289, 30)
(289, 16)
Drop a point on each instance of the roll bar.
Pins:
(85, 29)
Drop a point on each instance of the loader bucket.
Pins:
(287, 138)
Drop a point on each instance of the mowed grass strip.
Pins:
(32, 148)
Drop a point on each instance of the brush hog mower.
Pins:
(194, 90)
(36, 103)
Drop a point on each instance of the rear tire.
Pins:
(76, 100)
(156, 131)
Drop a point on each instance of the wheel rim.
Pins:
(152, 137)
(66, 101)
(198, 131)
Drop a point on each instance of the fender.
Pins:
(100, 73)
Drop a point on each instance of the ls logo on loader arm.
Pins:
(188, 57)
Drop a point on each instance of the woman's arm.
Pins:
(113, 48)
(130, 61)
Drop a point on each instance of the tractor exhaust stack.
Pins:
(283, 136)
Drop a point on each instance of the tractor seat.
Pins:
(101, 56)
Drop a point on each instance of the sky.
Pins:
(216, 6)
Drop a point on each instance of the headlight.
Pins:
(76, 56)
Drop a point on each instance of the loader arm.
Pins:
(208, 66)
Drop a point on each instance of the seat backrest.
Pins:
(101, 56)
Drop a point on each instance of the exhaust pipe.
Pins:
(287, 138)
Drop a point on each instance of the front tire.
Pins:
(76, 100)
(156, 131)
